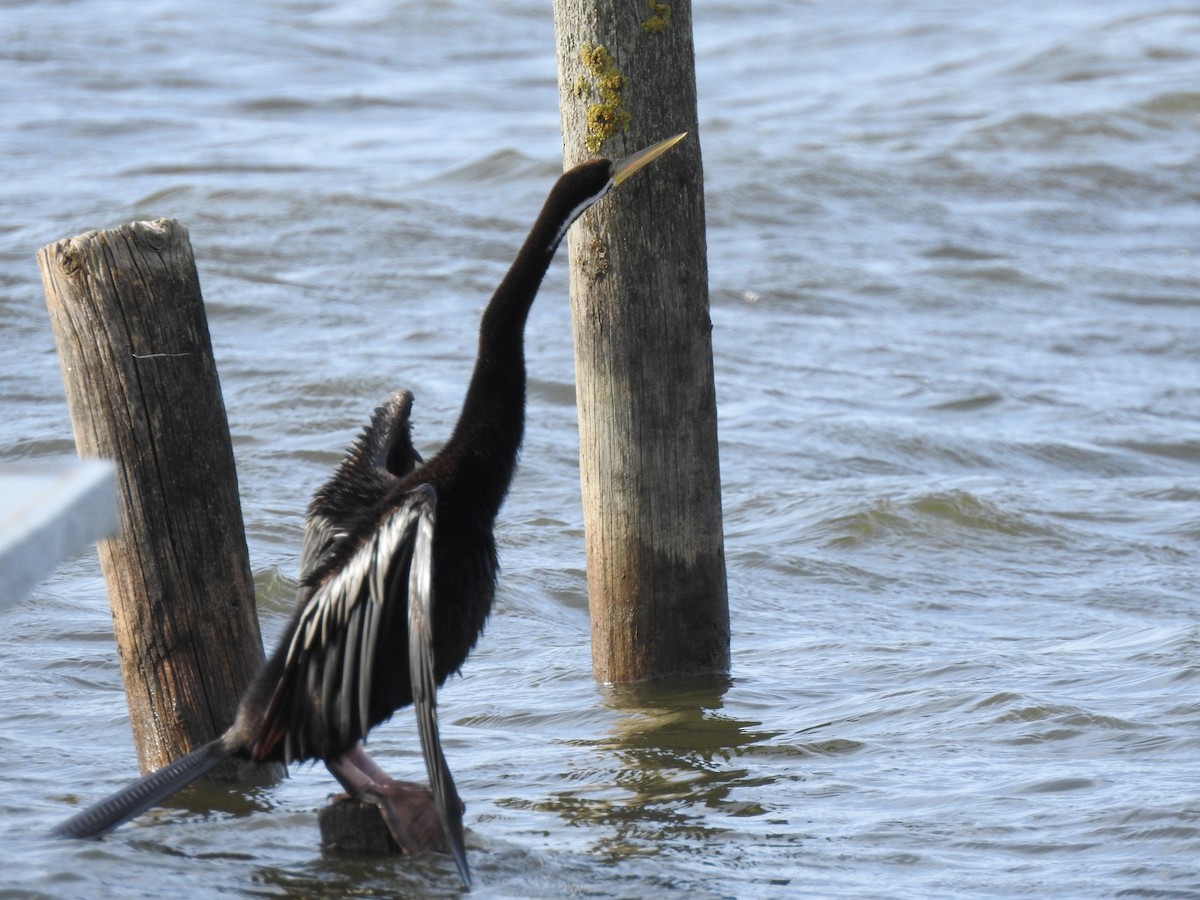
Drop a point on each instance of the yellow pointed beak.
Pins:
(623, 168)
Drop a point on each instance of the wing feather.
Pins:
(323, 699)
(424, 690)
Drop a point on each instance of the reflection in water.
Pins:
(335, 875)
(668, 772)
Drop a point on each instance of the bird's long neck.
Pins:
(487, 437)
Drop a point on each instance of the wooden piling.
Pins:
(142, 389)
(643, 351)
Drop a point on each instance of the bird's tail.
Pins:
(138, 797)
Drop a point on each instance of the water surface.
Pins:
(954, 287)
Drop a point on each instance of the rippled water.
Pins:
(957, 327)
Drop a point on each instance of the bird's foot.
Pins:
(408, 809)
(410, 814)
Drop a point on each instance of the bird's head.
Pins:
(587, 182)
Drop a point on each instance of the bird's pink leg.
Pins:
(359, 758)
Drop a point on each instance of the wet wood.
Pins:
(643, 351)
(142, 388)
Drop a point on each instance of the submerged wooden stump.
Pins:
(142, 389)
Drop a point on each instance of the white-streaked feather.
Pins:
(333, 646)
(424, 690)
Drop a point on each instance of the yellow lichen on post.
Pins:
(606, 116)
(660, 19)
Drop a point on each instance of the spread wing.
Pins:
(379, 457)
(322, 705)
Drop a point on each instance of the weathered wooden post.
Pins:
(142, 390)
(643, 352)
